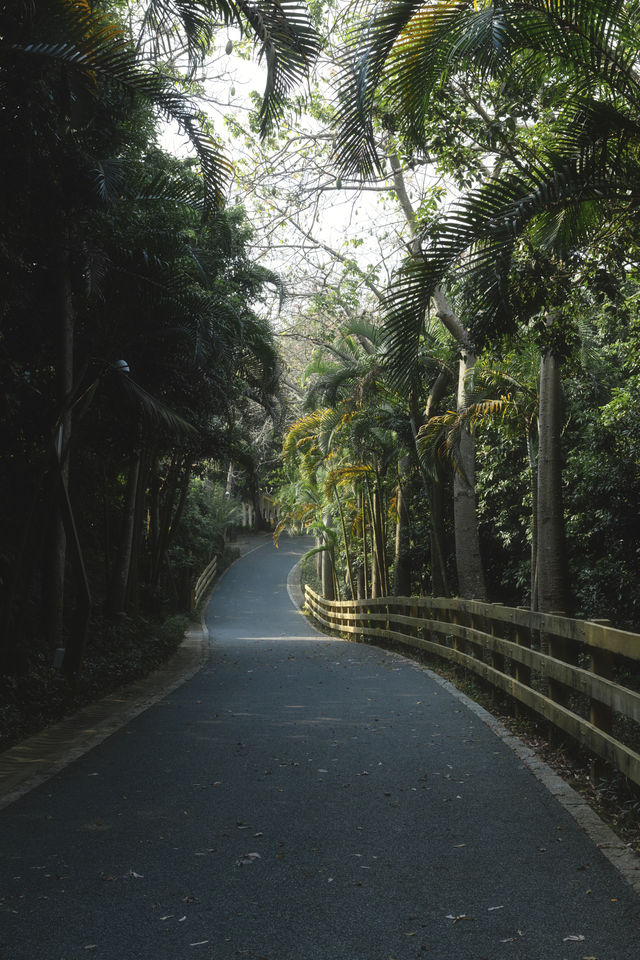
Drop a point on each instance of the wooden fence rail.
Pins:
(203, 583)
(577, 674)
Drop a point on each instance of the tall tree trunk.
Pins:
(56, 548)
(122, 564)
(362, 503)
(76, 644)
(553, 582)
(434, 489)
(439, 581)
(328, 579)
(378, 559)
(347, 552)
(533, 483)
(137, 548)
(259, 523)
(471, 584)
(402, 564)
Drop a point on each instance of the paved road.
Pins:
(303, 798)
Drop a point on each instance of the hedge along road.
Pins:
(303, 798)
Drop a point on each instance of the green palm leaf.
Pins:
(479, 237)
(94, 47)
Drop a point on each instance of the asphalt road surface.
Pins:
(303, 798)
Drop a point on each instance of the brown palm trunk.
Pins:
(56, 544)
(471, 584)
(439, 581)
(553, 587)
(402, 564)
(328, 579)
(365, 550)
(533, 482)
(434, 490)
(122, 565)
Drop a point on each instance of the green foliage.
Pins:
(208, 516)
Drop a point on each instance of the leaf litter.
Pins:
(247, 858)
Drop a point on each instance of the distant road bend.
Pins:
(303, 798)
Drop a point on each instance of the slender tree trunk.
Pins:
(533, 482)
(365, 549)
(137, 549)
(439, 581)
(122, 564)
(80, 623)
(553, 586)
(471, 584)
(231, 480)
(56, 549)
(378, 559)
(382, 533)
(434, 489)
(328, 580)
(347, 552)
(402, 564)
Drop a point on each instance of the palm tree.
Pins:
(506, 396)
(554, 195)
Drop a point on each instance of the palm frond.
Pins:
(93, 47)
(408, 50)
(479, 237)
(289, 45)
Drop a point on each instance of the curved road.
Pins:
(303, 798)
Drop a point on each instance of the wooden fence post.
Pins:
(453, 616)
(413, 630)
(523, 672)
(600, 715)
(559, 650)
(497, 659)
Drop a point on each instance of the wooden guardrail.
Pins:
(577, 674)
(203, 583)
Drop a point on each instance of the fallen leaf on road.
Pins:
(247, 858)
